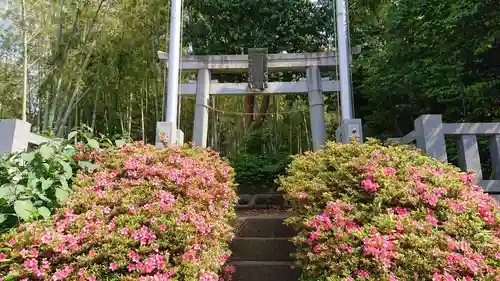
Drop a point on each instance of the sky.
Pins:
(3, 5)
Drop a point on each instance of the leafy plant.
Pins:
(147, 214)
(86, 136)
(256, 167)
(257, 173)
(33, 183)
(369, 212)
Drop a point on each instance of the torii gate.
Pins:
(257, 64)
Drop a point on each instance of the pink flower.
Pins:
(437, 277)
(369, 185)
(390, 172)
(230, 269)
(208, 276)
(317, 247)
(113, 266)
(313, 236)
(448, 277)
(60, 274)
(302, 195)
(131, 209)
(431, 219)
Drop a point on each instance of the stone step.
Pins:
(262, 249)
(265, 271)
(263, 226)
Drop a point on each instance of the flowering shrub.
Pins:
(146, 214)
(369, 212)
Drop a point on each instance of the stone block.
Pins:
(262, 249)
(264, 226)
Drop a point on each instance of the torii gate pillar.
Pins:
(316, 108)
(200, 127)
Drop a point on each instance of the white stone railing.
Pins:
(429, 135)
(16, 136)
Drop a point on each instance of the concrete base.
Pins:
(351, 128)
(174, 135)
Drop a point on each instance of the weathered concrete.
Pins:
(351, 128)
(273, 88)
(316, 108)
(174, 136)
(430, 136)
(264, 226)
(308, 62)
(265, 271)
(430, 132)
(275, 62)
(485, 129)
(14, 135)
(262, 249)
(468, 154)
(200, 127)
(494, 147)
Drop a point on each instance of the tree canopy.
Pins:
(94, 62)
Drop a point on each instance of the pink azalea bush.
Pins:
(147, 214)
(369, 212)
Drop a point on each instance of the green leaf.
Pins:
(87, 165)
(28, 156)
(5, 190)
(42, 196)
(3, 217)
(120, 142)
(61, 194)
(44, 212)
(64, 183)
(46, 184)
(10, 191)
(68, 171)
(11, 276)
(24, 209)
(72, 135)
(32, 180)
(93, 143)
(38, 203)
(46, 152)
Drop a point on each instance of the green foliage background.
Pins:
(94, 62)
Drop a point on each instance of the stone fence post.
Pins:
(430, 136)
(14, 135)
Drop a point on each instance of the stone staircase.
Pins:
(261, 250)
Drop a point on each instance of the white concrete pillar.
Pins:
(200, 128)
(174, 57)
(316, 108)
(344, 49)
(14, 135)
